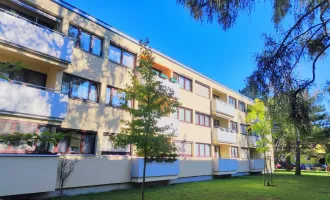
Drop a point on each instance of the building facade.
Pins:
(72, 68)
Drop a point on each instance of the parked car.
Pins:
(278, 166)
(319, 167)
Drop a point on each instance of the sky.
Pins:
(226, 57)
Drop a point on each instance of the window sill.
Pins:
(187, 122)
(77, 154)
(89, 52)
(82, 100)
(203, 126)
(203, 96)
(114, 62)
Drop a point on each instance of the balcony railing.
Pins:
(225, 166)
(224, 135)
(23, 33)
(224, 108)
(174, 86)
(155, 170)
(172, 123)
(252, 140)
(257, 164)
(33, 102)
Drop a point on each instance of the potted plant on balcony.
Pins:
(163, 76)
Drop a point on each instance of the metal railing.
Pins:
(30, 85)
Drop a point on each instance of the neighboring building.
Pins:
(73, 65)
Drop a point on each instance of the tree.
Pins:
(327, 160)
(154, 101)
(6, 67)
(64, 170)
(260, 125)
(305, 42)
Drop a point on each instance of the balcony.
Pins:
(225, 166)
(23, 100)
(252, 141)
(224, 135)
(257, 165)
(222, 108)
(172, 122)
(156, 171)
(174, 86)
(27, 174)
(19, 32)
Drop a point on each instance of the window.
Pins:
(202, 119)
(216, 123)
(27, 76)
(109, 149)
(232, 101)
(78, 142)
(202, 89)
(216, 97)
(185, 83)
(185, 114)
(234, 152)
(121, 56)
(116, 98)
(241, 106)
(183, 148)
(86, 41)
(217, 152)
(202, 150)
(80, 88)
(243, 129)
(233, 126)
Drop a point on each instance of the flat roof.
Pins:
(109, 27)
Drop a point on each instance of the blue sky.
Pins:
(226, 57)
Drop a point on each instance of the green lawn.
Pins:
(287, 187)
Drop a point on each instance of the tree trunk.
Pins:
(288, 157)
(298, 170)
(144, 177)
(264, 169)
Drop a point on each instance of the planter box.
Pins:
(155, 170)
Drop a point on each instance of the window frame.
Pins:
(232, 122)
(246, 132)
(177, 142)
(89, 89)
(203, 116)
(122, 50)
(229, 98)
(115, 153)
(111, 96)
(199, 152)
(231, 152)
(91, 44)
(191, 114)
(239, 106)
(184, 81)
(82, 137)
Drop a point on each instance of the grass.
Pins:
(287, 187)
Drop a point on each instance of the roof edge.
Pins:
(109, 27)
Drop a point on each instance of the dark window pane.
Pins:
(114, 54)
(88, 144)
(97, 46)
(93, 93)
(66, 84)
(188, 84)
(181, 82)
(85, 40)
(63, 145)
(128, 59)
(108, 96)
(73, 32)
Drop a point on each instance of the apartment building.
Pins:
(72, 67)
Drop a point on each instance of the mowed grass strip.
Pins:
(287, 186)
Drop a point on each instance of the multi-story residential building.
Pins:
(72, 67)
